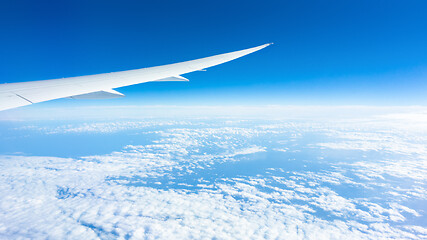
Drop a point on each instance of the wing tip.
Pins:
(267, 44)
(261, 46)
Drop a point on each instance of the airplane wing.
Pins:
(98, 86)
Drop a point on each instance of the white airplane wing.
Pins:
(98, 86)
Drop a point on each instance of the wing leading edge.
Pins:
(14, 95)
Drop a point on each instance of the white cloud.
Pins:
(70, 199)
(74, 200)
(124, 194)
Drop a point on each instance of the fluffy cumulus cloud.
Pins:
(226, 179)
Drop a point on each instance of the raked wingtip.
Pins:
(266, 45)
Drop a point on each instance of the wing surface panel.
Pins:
(11, 100)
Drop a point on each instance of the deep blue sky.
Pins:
(325, 52)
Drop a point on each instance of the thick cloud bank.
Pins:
(221, 179)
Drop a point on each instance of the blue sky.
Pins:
(325, 53)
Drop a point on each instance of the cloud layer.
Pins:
(197, 179)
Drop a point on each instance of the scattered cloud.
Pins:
(173, 186)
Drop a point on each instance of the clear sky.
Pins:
(325, 52)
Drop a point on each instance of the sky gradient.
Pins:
(339, 53)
